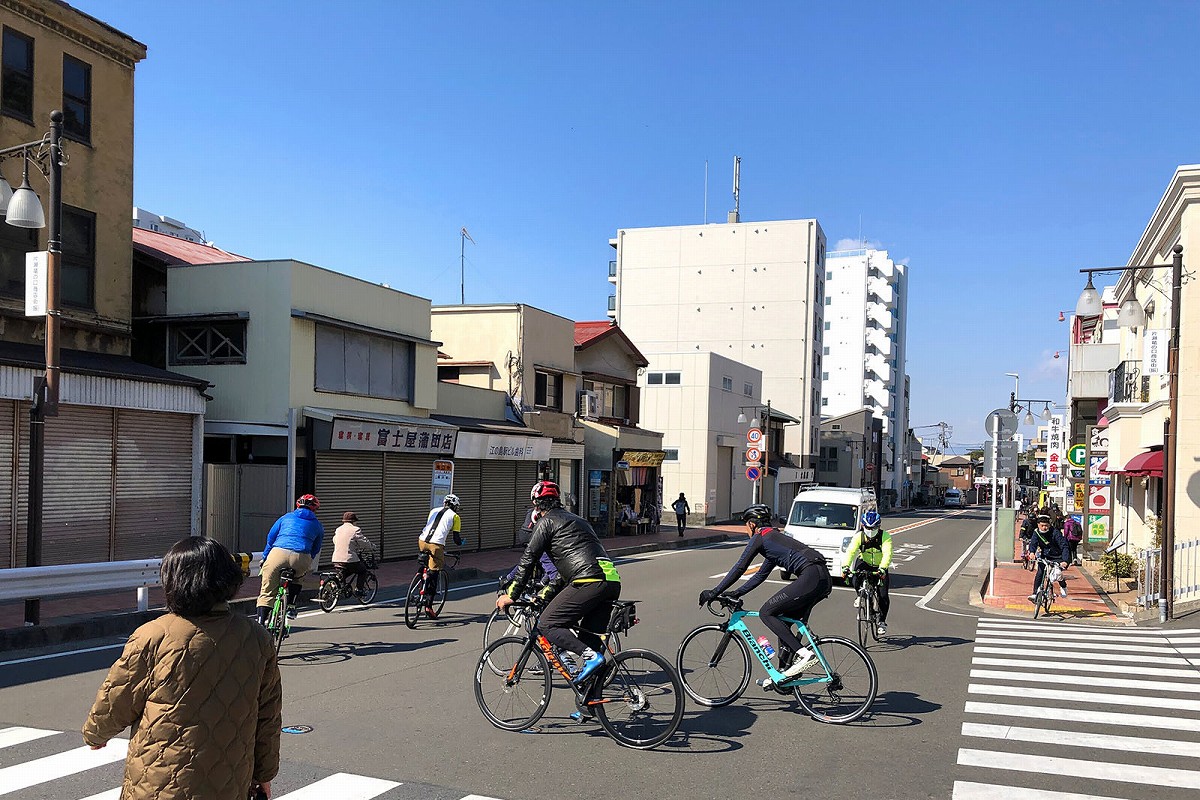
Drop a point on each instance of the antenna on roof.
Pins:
(735, 215)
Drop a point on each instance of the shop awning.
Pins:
(1146, 465)
(1103, 468)
(1102, 422)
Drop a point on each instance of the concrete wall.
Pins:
(469, 401)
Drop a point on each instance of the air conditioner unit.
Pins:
(589, 405)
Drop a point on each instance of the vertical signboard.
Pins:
(443, 482)
(37, 266)
(1154, 352)
(1098, 509)
(1055, 451)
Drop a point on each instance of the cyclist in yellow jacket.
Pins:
(871, 547)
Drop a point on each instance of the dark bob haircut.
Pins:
(198, 573)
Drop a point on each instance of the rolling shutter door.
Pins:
(78, 493)
(8, 475)
(21, 531)
(527, 476)
(153, 484)
(408, 489)
(466, 486)
(498, 506)
(349, 482)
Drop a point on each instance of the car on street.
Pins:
(954, 499)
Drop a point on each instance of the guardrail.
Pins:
(21, 583)
(1186, 585)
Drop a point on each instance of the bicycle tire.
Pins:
(1039, 599)
(709, 681)
(329, 594)
(874, 615)
(279, 618)
(641, 704)
(847, 662)
(501, 626)
(412, 601)
(370, 587)
(499, 696)
(443, 591)
(1049, 600)
(864, 617)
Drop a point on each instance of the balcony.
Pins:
(612, 271)
(879, 289)
(883, 269)
(878, 313)
(877, 392)
(1127, 384)
(1090, 367)
(880, 341)
(880, 366)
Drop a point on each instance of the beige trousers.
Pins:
(276, 560)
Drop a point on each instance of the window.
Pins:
(208, 343)
(828, 301)
(14, 244)
(672, 454)
(614, 402)
(654, 378)
(824, 376)
(829, 276)
(77, 270)
(351, 362)
(825, 351)
(824, 402)
(727, 383)
(16, 82)
(547, 390)
(827, 325)
(663, 378)
(77, 99)
(672, 378)
(748, 389)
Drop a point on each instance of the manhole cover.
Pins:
(297, 729)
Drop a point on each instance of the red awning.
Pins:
(1146, 464)
(1102, 422)
(1103, 468)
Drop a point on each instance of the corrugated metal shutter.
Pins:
(408, 488)
(154, 482)
(349, 482)
(78, 493)
(498, 509)
(466, 486)
(20, 533)
(8, 477)
(527, 476)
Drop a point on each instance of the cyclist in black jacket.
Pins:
(811, 585)
(1052, 546)
(590, 581)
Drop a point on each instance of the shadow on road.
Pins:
(334, 652)
(895, 643)
(899, 710)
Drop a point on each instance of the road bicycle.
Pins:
(714, 665)
(1027, 559)
(279, 625)
(1043, 598)
(636, 696)
(416, 602)
(335, 585)
(867, 579)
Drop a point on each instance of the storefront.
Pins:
(494, 472)
(635, 481)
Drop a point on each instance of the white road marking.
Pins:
(41, 770)
(1049, 638)
(1026, 677)
(1066, 629)
(968, 790)
(1060, 655)
(1083, 715)
(1097, 698)
(1112, 668)
(1106, 646)
(1102, 741)
(111, 794)
(60, 655)
(343, 786)
(19, 735)
(923, 603)
(1094, 770)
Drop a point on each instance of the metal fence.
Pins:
(1187, 574)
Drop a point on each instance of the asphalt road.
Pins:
(397, 704)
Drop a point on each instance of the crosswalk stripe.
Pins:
(31, 773)
(1071, 628)
(1058, 655)
(478, 797)
(1040, 664)
(111, 794)
(18, 735)
(1083, 715)
(1074, 680)
(1072, 636)
(343, 786)
(1099, 698)
(1094, 770)
(1082, 644)
(1102, 741)
(969, 790)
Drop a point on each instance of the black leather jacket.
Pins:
(571, 544)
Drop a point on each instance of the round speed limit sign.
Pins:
(754, 436)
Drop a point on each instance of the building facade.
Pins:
(866, 302)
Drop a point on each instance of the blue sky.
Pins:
(997, 147)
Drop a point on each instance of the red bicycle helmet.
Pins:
(308, 501)
(544, 491)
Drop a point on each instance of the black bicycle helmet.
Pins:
(758, 513)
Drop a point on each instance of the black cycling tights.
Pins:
(796, 600)
(586, 606)
(885, 602)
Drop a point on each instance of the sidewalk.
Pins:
(89, 616)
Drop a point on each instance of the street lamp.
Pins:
(757, 490)
(22, 209)
(1089, 305)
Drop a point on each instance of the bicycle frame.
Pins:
(536, 639)
(735, 626)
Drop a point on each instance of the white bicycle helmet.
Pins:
(451, 501)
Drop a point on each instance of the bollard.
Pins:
(143, 594)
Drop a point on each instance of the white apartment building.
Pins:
(866, 303)
(751, 292)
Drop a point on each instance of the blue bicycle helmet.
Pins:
(871, 520)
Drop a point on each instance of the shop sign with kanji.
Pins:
(390, 437)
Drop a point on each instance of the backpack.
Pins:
(1071, 530)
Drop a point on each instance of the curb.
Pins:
(126, 622)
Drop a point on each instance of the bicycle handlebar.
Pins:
(726, 603)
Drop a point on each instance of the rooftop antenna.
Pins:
(735, 216)
(462, 262)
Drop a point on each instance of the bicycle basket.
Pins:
(624, 617)
(370, 559)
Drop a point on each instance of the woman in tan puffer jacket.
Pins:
(199, 686)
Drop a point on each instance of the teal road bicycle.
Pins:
(713, 663)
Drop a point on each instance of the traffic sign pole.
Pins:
(995, 469)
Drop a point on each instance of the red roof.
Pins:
(177, 252)
(588, 333)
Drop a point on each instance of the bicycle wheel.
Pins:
(713, 665)
(1039, 600)
(1049, 598)
(278, 621)
(412, 601)
(847, 690)
(864, 617)
(438, 601)
(873, 617)
(329, 594)
(370, 586)
(499, 626)
(517, 697)
(642, 704)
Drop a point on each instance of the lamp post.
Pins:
(760, 484)
(1016, 405)
(1131, 315)
(23, 210)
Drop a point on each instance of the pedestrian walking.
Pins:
(682, 509)
(1073, 533)
(199, 687)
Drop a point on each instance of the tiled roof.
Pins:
(588, 333)
(177, 252)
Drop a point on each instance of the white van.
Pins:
(953, 499)
(825, 518)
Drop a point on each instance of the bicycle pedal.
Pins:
(766, 684)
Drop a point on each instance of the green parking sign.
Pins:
(1077, 455)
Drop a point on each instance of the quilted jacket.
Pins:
(203, 697)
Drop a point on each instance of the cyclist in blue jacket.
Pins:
(294, 541)
(1049, 542)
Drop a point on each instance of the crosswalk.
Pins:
(54, 765)
(1075, 712)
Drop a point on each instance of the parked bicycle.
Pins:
(279, 624)
(714, 666)
(416, 601)
(335, 585)
(636, 696)
(867, 580)
(1043, 598)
